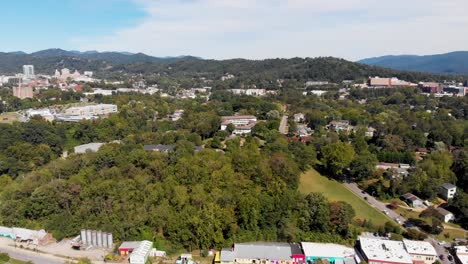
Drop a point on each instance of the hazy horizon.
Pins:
(250, 29)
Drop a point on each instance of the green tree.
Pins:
(337, 156)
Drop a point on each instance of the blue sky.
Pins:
(220, 29)
(31, 25)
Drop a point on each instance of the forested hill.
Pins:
(453, 63)
(112, 64)
(303, 69)
(46, 61)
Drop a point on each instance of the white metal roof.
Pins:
(419, 248)
(327, 250)
(462, 254)
(130, 244)
(384, 250)
(143, 250)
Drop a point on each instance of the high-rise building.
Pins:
(28, 72)
(23, 92)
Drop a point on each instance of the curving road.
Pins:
(34, 257)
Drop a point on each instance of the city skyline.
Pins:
(253, 29)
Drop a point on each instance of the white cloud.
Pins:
(286, 28)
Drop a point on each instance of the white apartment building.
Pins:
(242, 124)
(28, 72)
(92, 110)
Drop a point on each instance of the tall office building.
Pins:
(28, 72)
(23, 92)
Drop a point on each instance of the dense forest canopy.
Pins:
(237, 188)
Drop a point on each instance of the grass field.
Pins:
(407, 213)
(452, 234)
(10, 117)
(312, 181)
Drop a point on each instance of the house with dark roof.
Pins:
(447, 191)
(412, 200)
(444, 215)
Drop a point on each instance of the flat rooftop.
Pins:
(327, 250)
(384, 250)
(419, 248)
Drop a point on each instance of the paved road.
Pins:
(283, 128)
(375, 203)
(36, 258)
(440, 249)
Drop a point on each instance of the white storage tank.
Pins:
(93, 238)
(83, 236)
(110, 240)
(99, 238)
(88, 238)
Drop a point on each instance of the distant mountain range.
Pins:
(49, 59)
(116, 65)
(449, 63)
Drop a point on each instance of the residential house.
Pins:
(303, 131)
(242, 124)
(412, 200)
(421, 252)
(381, 251)
(370, 132)
(461, 254)
(387, 166)
(447, 191)
(341, 125)
(444, 215)
(333, 253)
(160, 148)
(258, 252)
(177, 115)
(299, 118)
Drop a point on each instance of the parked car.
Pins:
(442, 257)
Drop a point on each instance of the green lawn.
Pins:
(452, 234)
(407, 213)
(312, 181)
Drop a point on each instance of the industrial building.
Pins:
(93, 238)
(421, 252)
(36, 237)
(381, 251)
(461, 254)
(262, 252)
(334, 253)
(141, 253)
